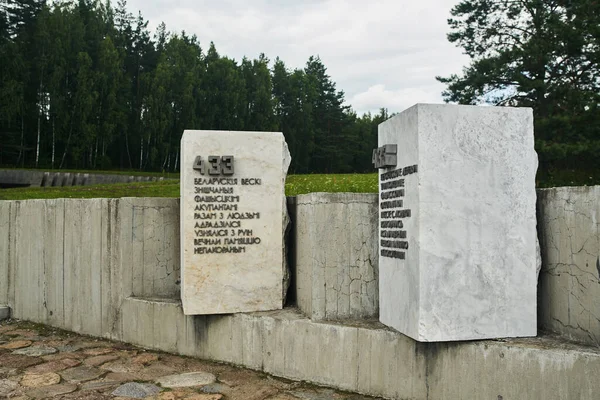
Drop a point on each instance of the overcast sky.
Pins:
(380, 53)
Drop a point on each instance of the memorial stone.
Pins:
(233, 220)
(457, 223)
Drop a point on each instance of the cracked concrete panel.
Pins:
(110, 272)
(5, 232)
(336, 255)
(83, 286)
(386, 360)
(151, 246)
(29, 259)
(569, 283)
(53, 233)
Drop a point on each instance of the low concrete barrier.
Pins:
(24, 178)
(110, 268)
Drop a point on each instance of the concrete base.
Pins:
(368, 358)
(4, 312)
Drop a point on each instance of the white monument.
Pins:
(457, 226)
(233, 219)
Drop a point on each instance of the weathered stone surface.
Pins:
(36, 351)
(51, 391)
(53, 366)
(184, 395)
(121, 366)
(322, 394)
(99, 385)
(214, 388)
(90, 344)
(68, 348)
(18, 361)
(283, 396)
(144, 359)
(6, 372)
(7, 386)
(154, 371)
(26, 333)
(82, 374)
(55, 342)
(176, 394)
(186, 380)
(136, 390)
(120, 377)
(98, 351)
(16, 344)
(254, 391)
(99, 360)
(463, 198)
(205, 397)
(64, 356)
(242, 211)
(37, 380)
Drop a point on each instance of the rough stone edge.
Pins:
(286, 223)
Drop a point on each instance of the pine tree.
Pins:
(543, 54)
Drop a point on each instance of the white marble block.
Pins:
(233, 219)
(457, 223)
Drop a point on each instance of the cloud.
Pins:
(379, 50)
(377, 96)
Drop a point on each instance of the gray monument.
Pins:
(233, 218)
(457, 222)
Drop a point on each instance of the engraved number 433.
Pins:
(215, 165)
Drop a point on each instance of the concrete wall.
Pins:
(70, 262)
(109, 268)
(569, 285)
(336, 255)
(18, 177)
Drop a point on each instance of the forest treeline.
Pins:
(85, 85)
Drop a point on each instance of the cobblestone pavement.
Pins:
(39, 362)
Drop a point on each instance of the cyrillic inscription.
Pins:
(393, 241)
(220, 229)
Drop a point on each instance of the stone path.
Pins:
(39, 362)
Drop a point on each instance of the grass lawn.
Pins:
(295, 184)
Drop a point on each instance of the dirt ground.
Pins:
(38, 362)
